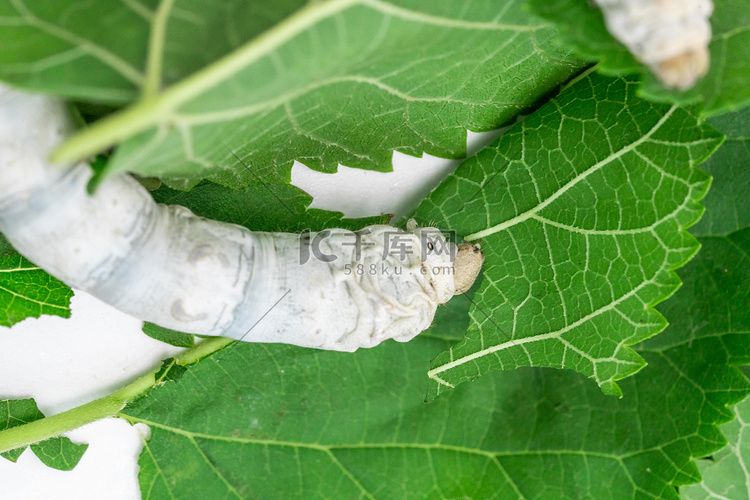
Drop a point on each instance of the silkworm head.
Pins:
(467, 266)
(683, 70)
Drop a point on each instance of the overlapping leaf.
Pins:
(260, 207)
(725, 474)
(728, 207)
(112, 50)
(727, 85)
(709, 331)
(580, 210)
(59, 453)
(340, 81)
(282, 422)
(271, 420)
(26, 291)
(92, 50)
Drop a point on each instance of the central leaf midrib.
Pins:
(355, 446)
(575, 180)
(203, 118)
(536, 338)
(34, 301)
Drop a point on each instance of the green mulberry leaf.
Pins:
(581, 210)
(111, 51)
(282, 422)
(727, 212)
(725, 473)
(171, 337)
(339, 81)
(260, 207)
(728, 207)
(26, 291)
(273, 421)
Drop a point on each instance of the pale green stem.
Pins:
(156, 49)
(157, 108)
(49, 427)
(203, 349)
(108, 406)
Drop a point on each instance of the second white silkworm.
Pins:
(671, 37)
(335, 290)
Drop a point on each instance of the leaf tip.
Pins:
(610, 388)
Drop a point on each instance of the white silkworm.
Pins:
(671, 37)
(334, 290)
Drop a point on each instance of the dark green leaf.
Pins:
(271, 421)
(728, 207)
(725, 475)
(171, 337)
(452, 319)
(99, 51)
(169, 371)
(260, 207)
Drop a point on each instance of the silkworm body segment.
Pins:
(671, 37)
(334, 290)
